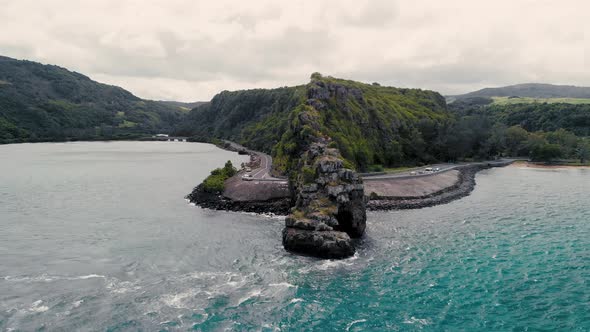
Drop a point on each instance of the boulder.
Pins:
(322, 244)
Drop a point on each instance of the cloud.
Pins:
(189, 50)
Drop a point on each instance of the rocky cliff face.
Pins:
(329, 211)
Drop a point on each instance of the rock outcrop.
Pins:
(329, 209)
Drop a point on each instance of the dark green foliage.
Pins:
(376, 168)
(531, 116)
(47, 103)
(375, 125)
(215, 183)
(256, 118)
(546, 152)
(583, 151)
(545, 117)
(229, 170)
(369, 124)
(540, 131)
(308, 174)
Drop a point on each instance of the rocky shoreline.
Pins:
(464, 186)
(217, 201)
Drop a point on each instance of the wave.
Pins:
(251, 295)
(50, 278)
(419, 321)
(282, 284)
(354, 322)
(37, 307)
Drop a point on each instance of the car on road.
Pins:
(247, 177)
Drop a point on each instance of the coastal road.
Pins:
(408, 174)
(262, 172)
(421, 171)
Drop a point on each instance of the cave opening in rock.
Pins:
(344, 218)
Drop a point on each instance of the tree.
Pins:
(534, 141)
(229, 170)
(515, 137)
(546, 152)
(496, 142)
(566, 139)
(583, 151)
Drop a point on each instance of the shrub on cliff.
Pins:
(215, 183)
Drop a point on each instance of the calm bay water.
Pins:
(98, 237)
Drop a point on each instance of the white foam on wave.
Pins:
(283, 284)
(354, 322)
(37, 307)
(76, 304)
(296, 300)
(419, 321)
(251, 295)
(179, 300)
(122, 287)
(330, 264)
(90, 276)
(50, 278)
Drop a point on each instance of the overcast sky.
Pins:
(189, 49)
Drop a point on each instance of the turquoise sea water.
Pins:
(97, 237)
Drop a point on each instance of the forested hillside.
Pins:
(373, 126)
(47, 103)
(257, 118)
(542, 131)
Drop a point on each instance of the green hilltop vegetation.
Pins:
(49, 103)
(377, 127)
(373, 126)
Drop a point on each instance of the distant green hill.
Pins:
(47, 103)
(185, 106)
(369, 123)
(529, 90)
(530, 100)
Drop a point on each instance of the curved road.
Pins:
(262, 173)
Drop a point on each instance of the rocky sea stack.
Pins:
(330, 209)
